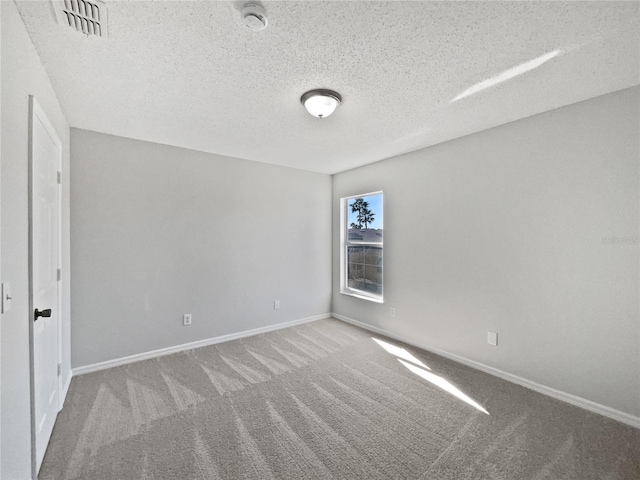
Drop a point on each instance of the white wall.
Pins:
(503, 230)
(159, 231)
(0, 246)
(23, 75)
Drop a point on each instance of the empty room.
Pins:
(319, 239)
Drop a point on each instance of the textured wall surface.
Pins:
(530, 230)
(23, 75)
(160, 231)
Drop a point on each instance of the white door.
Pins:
(45, 226)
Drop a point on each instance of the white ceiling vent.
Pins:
(85, 16)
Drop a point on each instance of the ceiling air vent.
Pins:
(88, 17)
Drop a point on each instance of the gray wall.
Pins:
(159, 231)
(507, 230)
(23, 75)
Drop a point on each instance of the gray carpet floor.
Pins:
(325, 400)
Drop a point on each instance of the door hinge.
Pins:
(59, 369)
(59, 178)
(59, 274)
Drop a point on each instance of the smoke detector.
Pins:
(85, 16)
(254, 16)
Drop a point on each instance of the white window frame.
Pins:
(345, 244)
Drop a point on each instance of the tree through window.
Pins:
(363, 245)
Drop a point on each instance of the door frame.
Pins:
(36, 111)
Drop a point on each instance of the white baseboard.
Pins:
(94, 367)
(623, 417)
(65, 390)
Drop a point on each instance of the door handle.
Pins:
(41, 313)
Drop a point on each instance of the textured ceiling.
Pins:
(191, 74)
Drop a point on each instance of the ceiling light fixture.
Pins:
(321, 103)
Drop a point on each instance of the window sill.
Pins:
(362, 297)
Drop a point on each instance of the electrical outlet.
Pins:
(276, 304)
(492, 338)
(392, 312)
(186, 319)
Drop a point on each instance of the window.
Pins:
(362, 235)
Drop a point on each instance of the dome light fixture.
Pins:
(321, 103)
